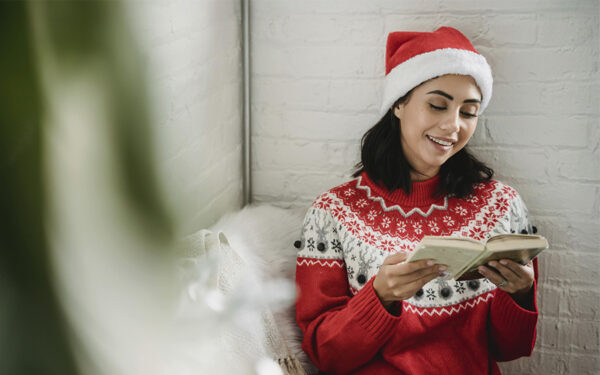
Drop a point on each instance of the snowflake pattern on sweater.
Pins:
(353, 226)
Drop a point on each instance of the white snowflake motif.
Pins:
(401, 226)
(372, 215)
(473, 199)
(385, 223)
(433, 227)
(362, 203)
(448, 221)
(417, 227)
(349, 192)
(461, 210)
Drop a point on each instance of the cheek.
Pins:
(468, 131)
(465, 135)
(417, 124)
(410, 136)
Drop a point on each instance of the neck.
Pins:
(425, 175)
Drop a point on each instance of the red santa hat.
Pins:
(414, 57)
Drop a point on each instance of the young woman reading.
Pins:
(361, 307)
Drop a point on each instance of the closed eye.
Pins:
(466, 114)
(436, 107)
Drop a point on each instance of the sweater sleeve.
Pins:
(512, 329)
(341, 331)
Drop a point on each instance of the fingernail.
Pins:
(481, 270)
(430, 262)
(442, 268)
(503, 262)
(493, 263)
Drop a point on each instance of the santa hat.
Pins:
(412, 58)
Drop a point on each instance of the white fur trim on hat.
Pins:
(418, 69)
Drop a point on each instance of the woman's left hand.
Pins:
(511, 277)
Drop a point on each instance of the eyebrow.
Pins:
(444, 94)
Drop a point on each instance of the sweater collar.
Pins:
(422, 192)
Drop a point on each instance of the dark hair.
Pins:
(384, 161)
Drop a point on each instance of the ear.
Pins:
(399, 110)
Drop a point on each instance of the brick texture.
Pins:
(194, 60)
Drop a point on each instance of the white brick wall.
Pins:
(194, 54)
(316, 83)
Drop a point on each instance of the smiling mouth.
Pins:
(439, 141)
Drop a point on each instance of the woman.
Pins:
(361, 308)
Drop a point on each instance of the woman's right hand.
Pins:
(398, 281)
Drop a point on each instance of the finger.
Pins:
(407, 290)
(396, 258)
(411, 267)
(491, 275)
(507, 272)
(436, 270)
(525, 274)
(519, 269)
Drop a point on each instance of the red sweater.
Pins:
(448, 327)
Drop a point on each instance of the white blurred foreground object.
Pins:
(111, 239)
(241, 294)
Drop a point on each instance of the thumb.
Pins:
(396, 258)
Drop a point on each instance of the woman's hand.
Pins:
(511, 277)
(398, 281)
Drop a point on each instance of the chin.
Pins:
(437, 163)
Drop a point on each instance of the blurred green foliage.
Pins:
(35, 337)
(78, 34)
(33, 333)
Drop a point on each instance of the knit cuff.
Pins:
(512, 312)
(370, 313)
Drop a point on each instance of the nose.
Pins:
(451, 122)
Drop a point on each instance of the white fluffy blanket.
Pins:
(263, 236)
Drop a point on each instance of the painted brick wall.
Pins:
(317, 68)
(194, 54)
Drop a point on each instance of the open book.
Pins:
(463, 255)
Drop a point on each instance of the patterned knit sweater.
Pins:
(447, 327)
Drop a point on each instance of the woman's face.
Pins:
(437, 121)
